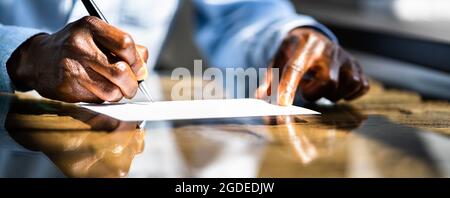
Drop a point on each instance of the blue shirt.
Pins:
(230, 33)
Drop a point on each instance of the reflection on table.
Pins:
(387, 133)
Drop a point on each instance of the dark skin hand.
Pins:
(87, 61)
(314, 66)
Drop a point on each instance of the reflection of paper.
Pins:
(195, 109)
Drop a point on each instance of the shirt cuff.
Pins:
(11, 38)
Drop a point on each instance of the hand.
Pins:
(315, 67)
(87, 61)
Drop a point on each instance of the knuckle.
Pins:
(118, 69)
(99, 57)
(113, 94)
(354, 78)
(72, 42)
(76, 44)
(72, 26)
(126, 41)
(88, 20)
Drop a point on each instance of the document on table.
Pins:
(195, 109)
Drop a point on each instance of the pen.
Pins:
(93, 10)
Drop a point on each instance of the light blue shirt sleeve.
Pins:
(247, 33)
(11, 38)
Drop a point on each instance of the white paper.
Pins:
(195, 109)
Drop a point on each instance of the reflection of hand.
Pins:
(86, 154)
(97, 154)
(106, 150)
(298, 143)
(97, 121)
(87, 61)
(318, 67)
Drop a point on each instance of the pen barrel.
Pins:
(93, 9)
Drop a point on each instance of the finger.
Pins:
(288, 86)
(313, 91)
(317, 83)
(340, 59)
(115, 41)
(364, 80)
(118, 73)
(333, 94)
(72, 90)
(358, 93)
(350, 81)
(143, 53)
(99, 85)
(287, 50)
(354, 91)
(364, 88)
(293, 72)
(263, 91)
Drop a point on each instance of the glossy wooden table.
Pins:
(387, 133)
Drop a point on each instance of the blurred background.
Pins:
(402, 43)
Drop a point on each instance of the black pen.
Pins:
(93, 10)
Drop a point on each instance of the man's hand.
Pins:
(87, 61)
(315, 67)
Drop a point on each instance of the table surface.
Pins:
(387, 133)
